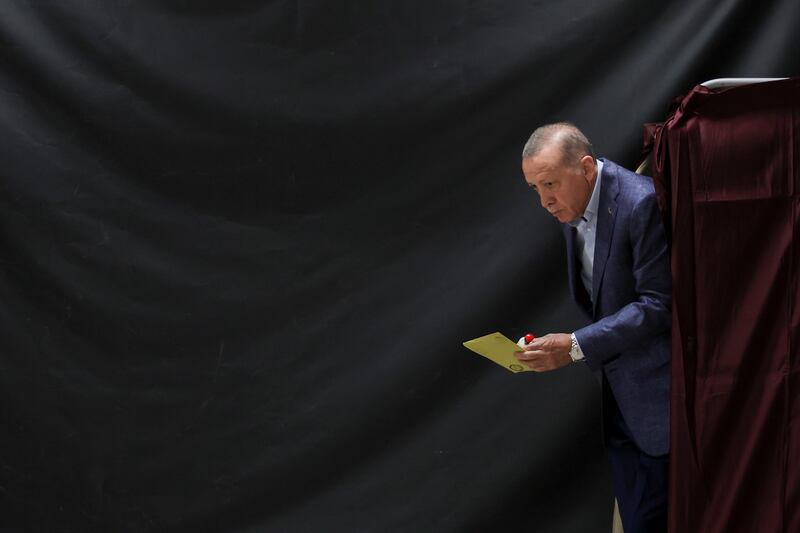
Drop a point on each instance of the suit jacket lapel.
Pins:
(606, 216)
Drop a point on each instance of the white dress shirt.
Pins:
(586, 232)
(585, 235)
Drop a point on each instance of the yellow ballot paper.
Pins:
(499, 349)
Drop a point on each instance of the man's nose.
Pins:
(546, 200)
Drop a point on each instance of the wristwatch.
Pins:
(575, 352)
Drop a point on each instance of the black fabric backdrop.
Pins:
(242, 242)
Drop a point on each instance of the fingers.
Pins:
(539, 343)
(536, 360)
(538, 365)
(538, 355)
(532, 360)
(530, 355)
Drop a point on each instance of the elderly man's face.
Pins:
(564, 188)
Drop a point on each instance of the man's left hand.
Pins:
(546, 353)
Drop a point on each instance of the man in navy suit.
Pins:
(619, 275)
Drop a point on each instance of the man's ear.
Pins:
(589, 168)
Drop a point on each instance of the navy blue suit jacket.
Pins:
(630, 307)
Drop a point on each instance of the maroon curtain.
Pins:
(726, 165)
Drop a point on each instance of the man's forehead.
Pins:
(542, 163)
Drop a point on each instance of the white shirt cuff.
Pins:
(575, 352)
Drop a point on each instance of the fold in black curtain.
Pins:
(727, 161)
(242, 242)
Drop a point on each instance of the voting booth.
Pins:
(725, 163)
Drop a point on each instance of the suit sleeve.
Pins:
(638, 322)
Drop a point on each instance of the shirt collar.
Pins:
(591, 209)
(594, 200)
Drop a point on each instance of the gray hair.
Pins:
(566, 136)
